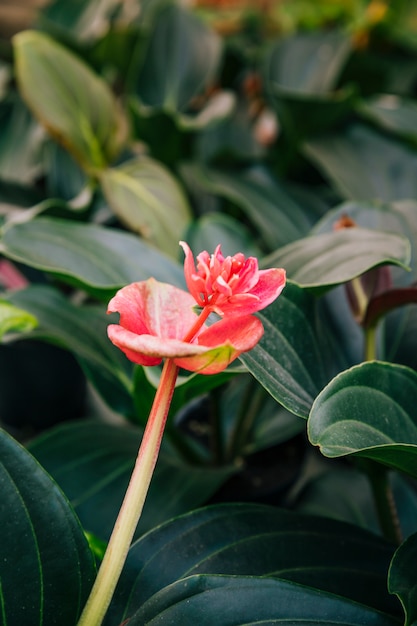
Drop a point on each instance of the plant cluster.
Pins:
(285, 488)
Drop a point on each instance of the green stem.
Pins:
(378, 474)
(127, 520)
(384, 501)
(370, 343)
(249, 409)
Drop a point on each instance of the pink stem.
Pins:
(130, 512)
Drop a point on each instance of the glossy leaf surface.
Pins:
(46, 567)
(181, 60)
(92, 462)
(247, 600)
(402, 578)
(369, 410)
(322, 261)
(287, 360)
(94, 257)
(75, 105)
(256, 540)
(149, 201)
(365, 165)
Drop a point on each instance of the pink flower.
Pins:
(231, 286)
(155, 318)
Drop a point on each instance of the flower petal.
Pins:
(154, 308)
(150, 350)
(227, 339)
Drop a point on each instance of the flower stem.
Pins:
(131, 509)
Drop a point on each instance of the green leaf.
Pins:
(287, 360)
(266, 203)
(92, 462)
(214, 228)
(256, 540)
(20, 143)
(402, 578)
(94, 257)
(182, 57)
(398, 115)
(365, 165)
(320, 262)
(147, 199)
(394, 217)
(250, 600)
(369, 411)
(74, 104)
(83, 331)
(46, 566)
(308, 62)
(13, 319)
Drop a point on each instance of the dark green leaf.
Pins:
(214, 228)
(92, 462)
(264, 201)
(392, 113)
(256, 540)
(395, 217)
(308, 62)
(364, 165)
(94, 257)
(287, 360)
(322, 261)
(20, 143)
(46, 566)
(75, 105)
(146, 198)
(402, 579)
(249, 601)
(180, 62)
(369, 411)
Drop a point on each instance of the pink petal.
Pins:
(154, 308)
(228, 339)
(150, 350)
(190, 271)
(270, 284)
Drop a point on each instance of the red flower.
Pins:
(155, 318)
(231, 286)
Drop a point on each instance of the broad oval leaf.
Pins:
(394, 217)
(147, 199)
(94, 257)
(74, 104)
(256, 540)
(308, 62)
(365, 165)
(181, 60)
(395, 114)
(402, 579)
(93, 461)
(369, 410)
(244, 600)
(320, 262)
(46, 565)
(287, 361)
(265, 202)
